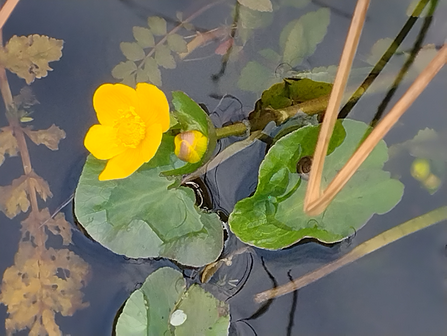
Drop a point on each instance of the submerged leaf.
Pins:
(257, 5)
(299, 38)
(139, 217)
(157, 25)
(124, 69)
(8, 143)
(34, 290)
(255, 77)
(273, 217)
(177, 43)
(132, 51)
(49, 137)
(28, 56)
(144, 37)
(164, 58)
(153, 72)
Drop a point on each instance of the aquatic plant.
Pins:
(132, 122)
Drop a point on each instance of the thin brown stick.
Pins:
(6, 11)
(378, 133)
(367, 247)
(327, 127)
(316, 201)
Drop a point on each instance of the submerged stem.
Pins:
(379, 241)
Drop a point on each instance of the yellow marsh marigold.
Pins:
(190, 146)
(132, 122)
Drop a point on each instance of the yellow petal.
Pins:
(153, 106)
(126, 163)
(110, 100)
(101, 142)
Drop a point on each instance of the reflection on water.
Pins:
(399, 290)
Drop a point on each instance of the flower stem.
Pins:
(238, 128)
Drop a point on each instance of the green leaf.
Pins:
(124, 69)
(157, 25)
(139, 217)
(294, 3)
(257, 5)
(270, 55)
(132, 51)
(28, 56)
(177, 43)
(255, 77)
(378, 49)
(152, 71)
(144, 37)
(427, 144)
(130, 80)
(142, 76)
(205, 315)
(293, 91)
(164, 58)
(273, 217)
(147, 310)
(192, 117)
(300, 37)
(252, 19)
(163, 306)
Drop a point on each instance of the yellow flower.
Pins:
(132, 122)
(190, 146)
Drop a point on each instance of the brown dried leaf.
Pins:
(36, 222)
(41, 283)
(8, 143)
(28, 56)
(14, 198)
(49, 137)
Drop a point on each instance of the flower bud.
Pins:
(190, 146)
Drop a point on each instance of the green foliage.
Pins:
(293, 91)
(273, 217)
(28, 56)
(192, 117)
(298, 40)
(257, 5)
(163, 306)
(139, 217)
(147, 310)
(147, 54)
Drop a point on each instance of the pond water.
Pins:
(398, 290)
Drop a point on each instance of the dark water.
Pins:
(399, 290)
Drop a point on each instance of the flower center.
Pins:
(130, 128)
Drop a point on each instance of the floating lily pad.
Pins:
(147, 311)
(163, 307)
(273, 218)
(205, 315)
(139, 217)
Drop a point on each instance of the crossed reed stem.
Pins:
(316, 199)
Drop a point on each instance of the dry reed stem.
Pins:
(316, 202)
(313, 203)
(6, 11)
